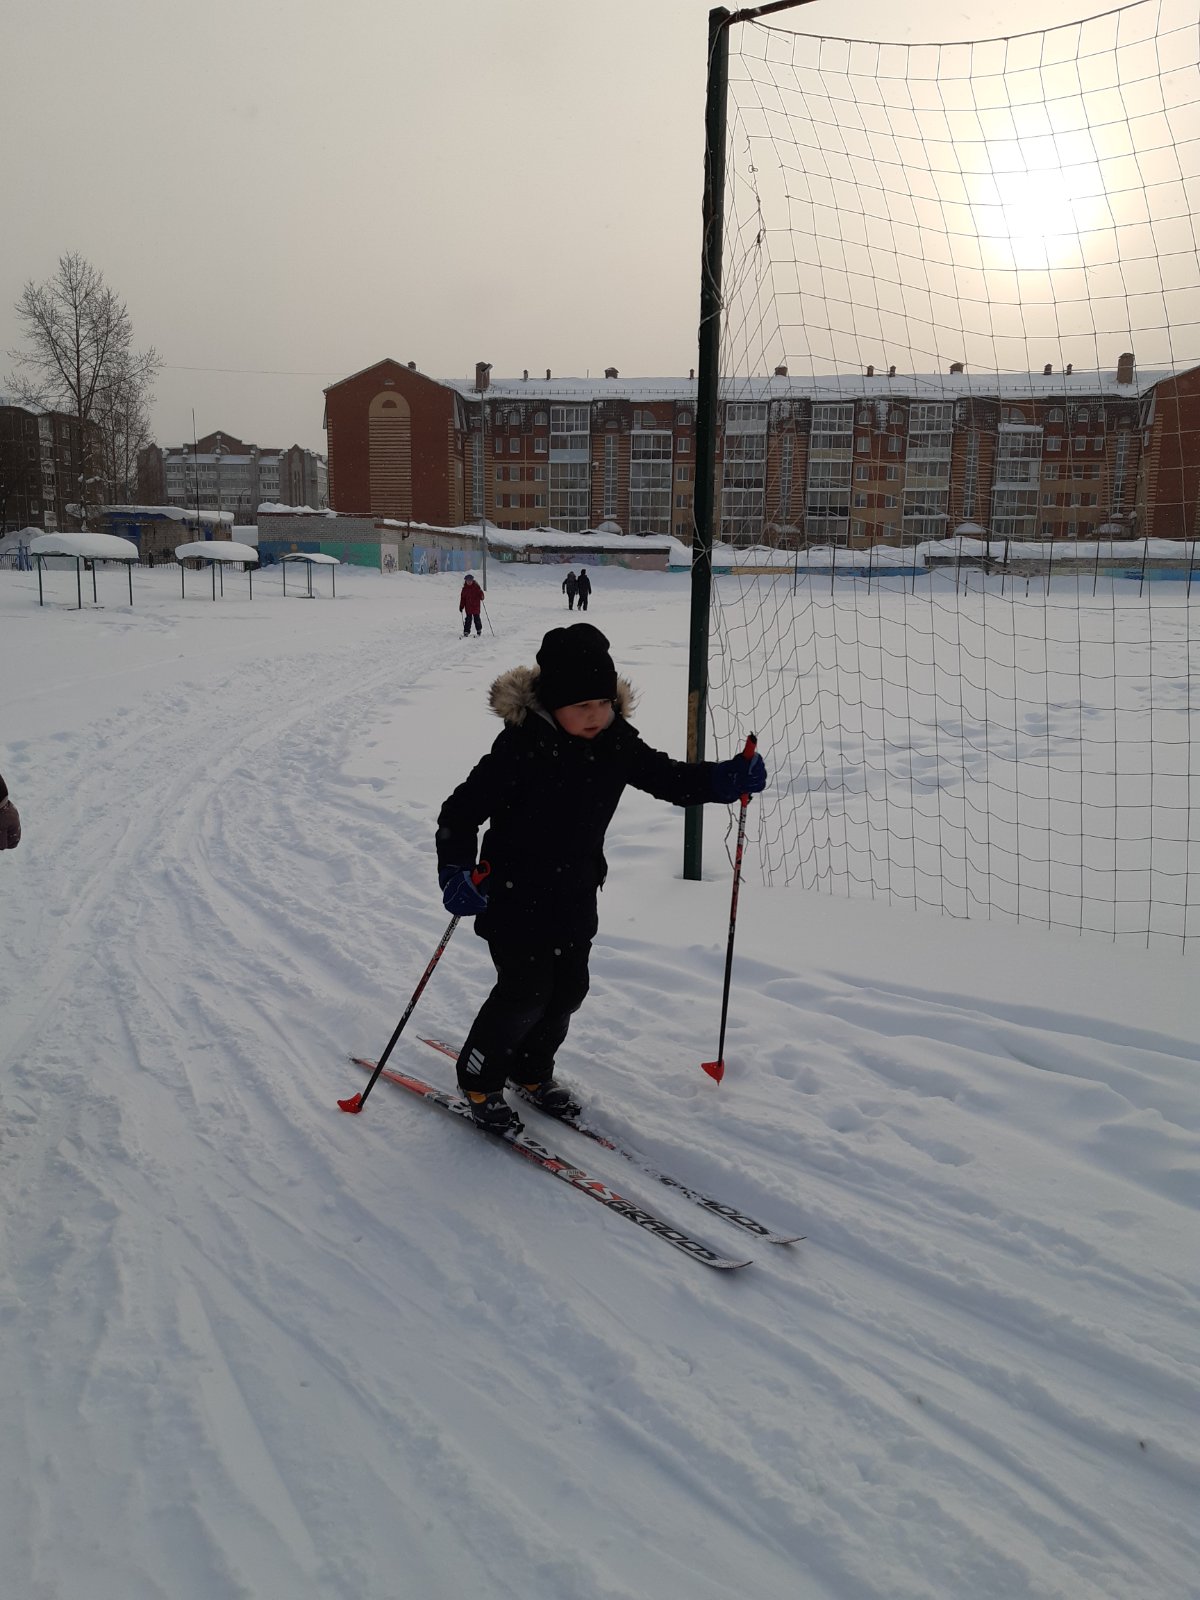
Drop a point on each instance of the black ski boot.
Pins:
(551, 1098)
(493, 1112)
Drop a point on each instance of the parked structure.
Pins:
(223, 473)
(847, 460)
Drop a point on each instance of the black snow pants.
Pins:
(525, 1018)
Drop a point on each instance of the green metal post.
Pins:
(707, 411)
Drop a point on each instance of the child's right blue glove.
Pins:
(733, 778)
(459, 894)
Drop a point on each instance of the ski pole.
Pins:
(716, 1069)
(357, 1101)
(487, 614)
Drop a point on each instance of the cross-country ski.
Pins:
(557, 1167)
(582, 1123)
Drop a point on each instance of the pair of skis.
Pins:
(568, 1172)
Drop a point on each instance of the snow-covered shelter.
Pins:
(85, 549)
(218, 553)
(311, 559)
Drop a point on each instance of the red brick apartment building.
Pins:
(842, 460)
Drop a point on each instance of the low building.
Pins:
(157, 530)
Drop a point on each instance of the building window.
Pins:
(514, 446)
(892, 474)
(1098, 444)
(539, 447)
(539, 419)
(499, 474)
(1079, 442)
(683, 446)
(861, 474)
(1054, 414)
(1053, 443)
(894, 444)
(683, 474)
(860, 500)
(684, 419)
(862, 445)
(539, 474)
(649, 480)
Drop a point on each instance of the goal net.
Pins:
(956, 590)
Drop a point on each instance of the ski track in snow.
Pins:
(257, 1349)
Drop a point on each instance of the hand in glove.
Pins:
(459, 893)
(736, 777)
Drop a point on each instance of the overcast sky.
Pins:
(283, 191)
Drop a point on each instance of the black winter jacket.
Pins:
(550, 797)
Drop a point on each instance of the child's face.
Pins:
(586, 718)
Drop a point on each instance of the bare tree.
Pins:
(80, 359)
(123, 418)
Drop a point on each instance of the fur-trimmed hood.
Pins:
(513, 696)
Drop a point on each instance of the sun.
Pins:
(1035, 216)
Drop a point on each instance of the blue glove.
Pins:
(459, 894)
(736, 777)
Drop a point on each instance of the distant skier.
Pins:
(10, 821)
(549, 786)
(583, 588)
(469, 602)
(570, 586)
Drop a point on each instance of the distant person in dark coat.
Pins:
(548, 789)
(570, 585)
(583, 588)
(469, 602)
(10, 821)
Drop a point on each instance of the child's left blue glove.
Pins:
(736, 777)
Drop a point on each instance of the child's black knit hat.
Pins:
(574, 665)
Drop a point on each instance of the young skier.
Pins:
(569, 585)
(469, 602)
(549, 787)
(583, 588)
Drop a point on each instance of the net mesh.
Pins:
(936, 603)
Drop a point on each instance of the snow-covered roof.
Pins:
(89, 546)
(315, 558)
(841, 386)
(174, 513)
(272, 508)
(215, 550)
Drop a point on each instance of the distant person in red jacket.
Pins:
(469, 603)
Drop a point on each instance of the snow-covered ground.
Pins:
(257, 1349)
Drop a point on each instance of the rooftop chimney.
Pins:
(691, 374)
(525, 374)
(870, 372)
(1069, 369)
(956, 366)
(1125, 367)
(891, 372)
(547, 374)
(781, 372)
(482, 369)
(611, 372)
(1047, 370)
